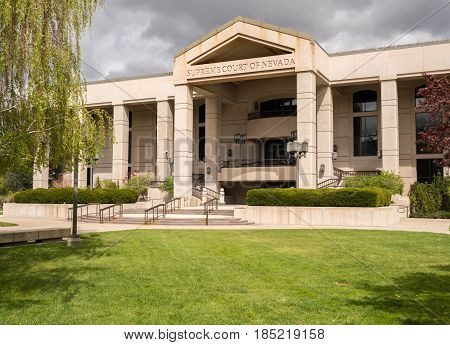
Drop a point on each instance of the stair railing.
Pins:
(153, 213)
(197, 192)
(172, 205)
(210, 205)
(111, 210)
(80, 208)
(211, 193)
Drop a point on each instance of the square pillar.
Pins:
(120, 146)
(307, 128)
(183, 140)
(213, 108)
(164, 139)
(325, 132)
(389, 126)
(40, 178)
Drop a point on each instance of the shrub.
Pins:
(443, 185)
(109, 184)
(387, 180)
(140, 183)
(167, 185)
(85, 196)
(424, 198)
(346, 197)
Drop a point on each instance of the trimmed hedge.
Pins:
(424, 198)
(386, 180)
(346, 197)
(85, 196)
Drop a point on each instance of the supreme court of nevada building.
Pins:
(237, 96)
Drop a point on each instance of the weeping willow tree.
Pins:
(42, 115)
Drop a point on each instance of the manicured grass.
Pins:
(230, 277)
(3, 224)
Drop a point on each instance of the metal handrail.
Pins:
(346, 173)
(81, 207)
(154, 209)
(197, 192)
(210, 205)
(327, 183)
(258, 163)
(109, 208)
(171, 206)
(211, 193)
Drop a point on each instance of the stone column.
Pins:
(120, 147)
(212, 151)
(40, 179)
(307, 127)
(325, 132)
(389, 126)
(183, 140)
(164, 138)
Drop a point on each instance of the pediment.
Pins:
(241, 48)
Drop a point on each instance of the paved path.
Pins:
(410, 224)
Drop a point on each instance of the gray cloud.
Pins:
(132, 37)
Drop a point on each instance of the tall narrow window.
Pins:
(201, 132)
(419, 99)
(364, 101)
(365, 136)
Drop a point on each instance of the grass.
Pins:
(230, 277)
(3, 224)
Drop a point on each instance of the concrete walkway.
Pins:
(439, 226)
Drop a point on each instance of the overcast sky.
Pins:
(136, 37)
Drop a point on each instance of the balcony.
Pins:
(257, 170)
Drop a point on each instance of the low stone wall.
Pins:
(321, 216)
(13, 236)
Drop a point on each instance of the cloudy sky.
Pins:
(136, 37)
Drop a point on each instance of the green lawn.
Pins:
(3, 224)
(230, 277)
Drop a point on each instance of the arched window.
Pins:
(364, 101)
(419, 99)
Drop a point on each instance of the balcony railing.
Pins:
(258, 163)
(271, 113)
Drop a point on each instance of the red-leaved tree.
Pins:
(436, 103)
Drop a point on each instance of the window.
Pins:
(275, 107)
(364, 101)
(427, 169)
(201, 143)
(419, 99)
(365, 139)
(130, 145)
(201, 114)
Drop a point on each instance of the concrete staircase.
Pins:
(190, 216)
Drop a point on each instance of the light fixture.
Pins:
(208, 170)
(293, 136)
(229, 153)
(304, 148)
(322, 168)
(334, 155)
(380, 154)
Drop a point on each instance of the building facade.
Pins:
(239, 94)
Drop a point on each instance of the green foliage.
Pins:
(108, 184)
(432, 215)
(97, 183)
(15, 181)
(387, 180)
(167, 185)
(85, 196)
(346, 197)
(140, 183)
(443, 185)
(42, 115)
(424, 198)
(3, 189)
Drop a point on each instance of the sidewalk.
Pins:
(439, 226)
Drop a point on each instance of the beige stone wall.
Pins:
(143, 156)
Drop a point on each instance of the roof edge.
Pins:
(136, 77)
(247, 21)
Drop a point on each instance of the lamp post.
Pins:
(92, 171)
(240, 139)
(299, 150)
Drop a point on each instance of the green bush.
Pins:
(167, 185)
(346, 197)
(386, 180)
(108, 184)
(85, 196)
(443, 185)
(424, 198)
(433, 215)
(140, 183)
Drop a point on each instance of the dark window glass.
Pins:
(130, 119)
(201, 143)
(364, 101)
(130, 145)
(277, 107)
(365, 136)
(201, 114)
(129, 173)
(274, 149)
(422, 121)
(89, 177)
(427, 169)
(418, 98)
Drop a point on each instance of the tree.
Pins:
(436, 103)
(43, 119)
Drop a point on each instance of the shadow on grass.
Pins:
(27, 273)
(417, 298)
